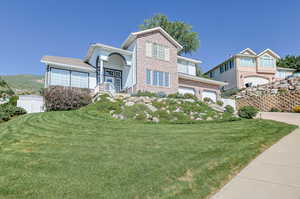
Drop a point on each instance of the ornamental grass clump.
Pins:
(248, 112)
(297, 109)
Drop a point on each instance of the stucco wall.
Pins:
(144, 62)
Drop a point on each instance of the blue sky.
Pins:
(31, 29)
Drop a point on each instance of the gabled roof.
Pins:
(67, 62)
(134, 35)
(269, 51)
(248, 50)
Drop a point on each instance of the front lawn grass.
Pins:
(77, 154)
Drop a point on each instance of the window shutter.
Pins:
(148, 49)
(167, 54)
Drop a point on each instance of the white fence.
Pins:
(31, 103)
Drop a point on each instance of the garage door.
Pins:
(254, 81)
(184, 90)
(210, 94)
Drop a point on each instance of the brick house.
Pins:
(147, 61)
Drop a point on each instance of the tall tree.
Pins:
(180, 31)
(290, 62)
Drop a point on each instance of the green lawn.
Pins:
(82, 155)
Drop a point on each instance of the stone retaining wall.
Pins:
(283, 101)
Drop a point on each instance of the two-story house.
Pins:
(248, 68)
(147, 61)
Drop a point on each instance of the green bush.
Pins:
(13, 100)
(219, 102)
(144, 94)
(248, 112)
(207, 100)
(229, 109)
(59, 98)
(274, 110)
(163, 115)
(176, 96)
(190, 96)
(135, 111)
(12, 110)
(4, 116)
(229, 93)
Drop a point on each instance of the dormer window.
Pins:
(267, 61)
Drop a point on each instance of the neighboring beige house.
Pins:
(248, 68)
(147, 61)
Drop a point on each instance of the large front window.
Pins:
(60, 77)
(247, 61)
(157, 78)
(267, 61)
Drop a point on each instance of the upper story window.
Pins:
(222, 69)
(267, 61)
(231, 64)
(247, 61)
(157, 51)
(212, 74)
(226, 66)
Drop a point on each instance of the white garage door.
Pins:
(210, 94)
(184, 90)
(254, 81)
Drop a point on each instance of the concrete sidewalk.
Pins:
(275, 174)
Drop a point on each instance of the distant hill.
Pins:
(5, 90)
(25, 83)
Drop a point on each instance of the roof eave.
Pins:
(204, 80)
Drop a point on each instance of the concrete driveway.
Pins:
(275, 174)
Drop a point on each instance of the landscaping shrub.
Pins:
(274, 110)
(297, 109)
(161, 94)
(190, 96)
(229, 109)
(229, 93)
(136, 111)
(145, 94)
(60, 98)
(248, 112)
(13, 100)
(176, 96)
(207, 100)
(4, 116)
(220, 103)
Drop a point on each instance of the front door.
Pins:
(114, 77)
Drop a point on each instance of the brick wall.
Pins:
(284, 101)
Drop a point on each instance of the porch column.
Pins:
(101, 71)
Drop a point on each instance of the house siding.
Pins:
(151, 63)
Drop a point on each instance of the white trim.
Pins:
(106, 47)
(269, 50)
(132, 36)
(189, 59)
(285, 69)
(248, 49)
(201, 79)
(68, 66)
